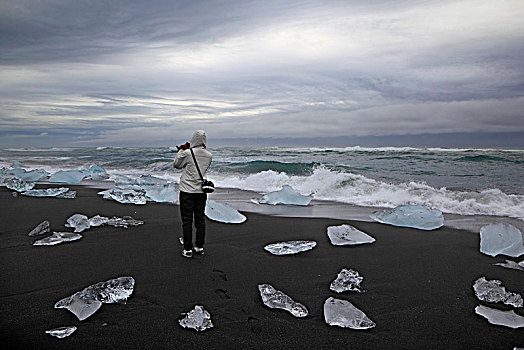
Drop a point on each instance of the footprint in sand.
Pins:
(220, 274)
(222, 294)
(255, 325)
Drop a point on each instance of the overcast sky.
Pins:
(88, 73)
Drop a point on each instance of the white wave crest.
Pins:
(345, 187)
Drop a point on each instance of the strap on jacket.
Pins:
(196, 164)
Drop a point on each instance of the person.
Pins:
(192, 198)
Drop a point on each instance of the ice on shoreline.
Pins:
(125, 196)
(223, 212)
(61, 332)
(415, 216)
(290, 247)
(154, 188)
(198, 319)
(42, 228)
(69, 177)
(502, 318)
(287, 195)
(18, 185)
(347, 280)
(501, 238)
(62, 192)
(342, 313)
(493, 292)
(79, 222)
(124, 221)
(276, 299)
(347, 235)
(58, 237)
(510, 264)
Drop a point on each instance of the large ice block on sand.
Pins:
(124, 221)
(197, 319)
(162, 193)
(58, 237)
(287, 195)
(510, 264)
(79, 222)
(98, 220)
(493, 292)
(223, 212)
(42, 228)
(342, 313)
(125, 196)
(18, 185)
(62, 192)
(290, 247)
(347, 280)
(501, 238)
(70, 177)
(347, 235)
(502, 318)
(29, 176)
(87, 301)
(416, 216)
(96, 173)
(276, 299)
(61, 332)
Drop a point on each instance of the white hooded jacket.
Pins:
(190, 181)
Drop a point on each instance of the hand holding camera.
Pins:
(183, 147)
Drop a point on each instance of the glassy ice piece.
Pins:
(347, 235)
(29, 176)
(86, 302)
(61, 332)
(98, 220)
(493, 292)
(510, 264)
(287, 195)
(79, 222)
(502, 318)
(501, 238)
(50, 192)
(198, 319)
(347, 280)
(290, 247)
(276, 299)
(342, 313)
(123, 222)
(68, 194)
(96, 173)
(416, 216)
(17, 164)
(125, 196)
(43, 228)
(150, 181)
(223, 212)
(58, 237)
(18, 185)
(71, 177)
(162, 193)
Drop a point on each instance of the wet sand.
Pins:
(418, 284)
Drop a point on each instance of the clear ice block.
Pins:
(58, 237)
(493, 292)
(347, 235)
(501, 238)
(98, 220)
(125, 196)
(342, 313)
(70, 177)
(42, 228)
(197, 319)
(415, 216)
(276, 299)
(223, 212)
(61, 332)
(50, 192)
(502, 318)
(79, 222)
(125, 221)
(290, 247)
(347, 280)
(510, 264)
(18, 185)
(287, 195)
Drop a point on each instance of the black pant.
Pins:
(193, 204)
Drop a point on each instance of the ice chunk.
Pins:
(198, 319)
(501, 238)
(86, 302)
(125, 196)
(71, 177)
(493, 292)
(29, 176)
(123, 222)
(43, 228)
(162, 194)
(79, 222)
(290, 247)
(17, 164)
(342, 313)
(61, 332)
(416, 216)
(18, 185)
(347, 235)
(223, 212)
(512, 265)
(62, 192)
(276, 299)
(58, 237)
(96, 173)
(502, 318)
(98, 220)
(347, 280)
(287, 195)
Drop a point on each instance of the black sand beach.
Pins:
(418, 284)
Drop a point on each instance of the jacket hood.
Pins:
(198, 139)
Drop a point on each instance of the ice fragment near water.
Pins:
(18, 185)
(287, 195)
(416, 216)
(30, 176)
(42, 228)
(79, 222)
(123, 222)
(290, 247)
(493, 292)
(62, 192)
(98, 220)
(162, 194)
(61, 332)
(71, 177)
(223, 212)
(501, 238)
(347, 235)
(96, 173)
(276, 299)
(342, 313)
(347, 280)
(512, 265)
(87, 301)
(154, 188)
(125, 196)
(197, 319)
(502, 318)
(58, 237)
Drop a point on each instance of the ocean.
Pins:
(485, 182)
